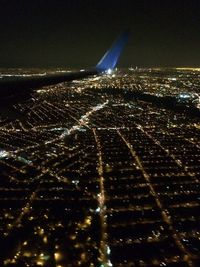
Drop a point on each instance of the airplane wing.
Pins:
(16, 85)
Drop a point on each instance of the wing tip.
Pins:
(111, 57)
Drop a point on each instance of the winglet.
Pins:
(109, 60)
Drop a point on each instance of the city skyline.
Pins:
(99, 157)
(75, 33)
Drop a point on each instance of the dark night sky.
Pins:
(75, 33)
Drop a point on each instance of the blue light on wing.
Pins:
(109, 60)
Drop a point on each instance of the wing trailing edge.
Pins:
(12, 86)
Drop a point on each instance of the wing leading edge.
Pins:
(12, 86)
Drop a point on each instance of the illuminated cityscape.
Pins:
(102, 172)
